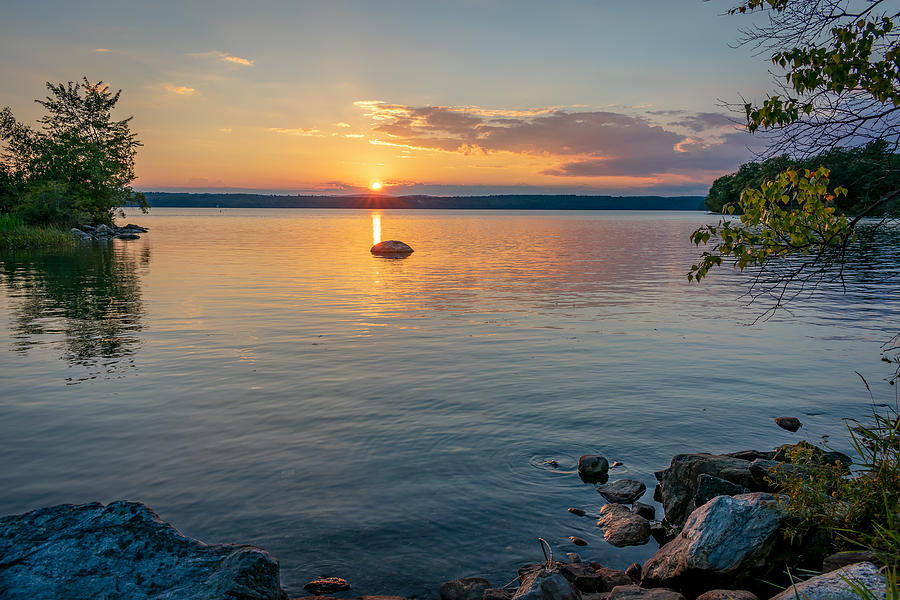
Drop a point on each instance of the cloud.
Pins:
(298, 131)
(224, 57)
(238, 60)
(342, 124)
(181, 90)
(573, 143)
(102, 50)
(225, 129)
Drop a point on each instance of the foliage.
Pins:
(15, 234)
(76, 169)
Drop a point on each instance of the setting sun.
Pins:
(376, 185)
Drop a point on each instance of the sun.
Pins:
(376, 185)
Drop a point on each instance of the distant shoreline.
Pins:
(499, 202)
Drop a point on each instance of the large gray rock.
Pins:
(710, 486)
(678, 484)
(468, 588)
(623, 491)
(622, 527)
(124, 551)
(546, 585)
(727, 540)
(835, 586)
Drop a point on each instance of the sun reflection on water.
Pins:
(376, 229)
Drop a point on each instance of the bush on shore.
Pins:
(15, 234)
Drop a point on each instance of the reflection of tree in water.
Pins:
(90, 296)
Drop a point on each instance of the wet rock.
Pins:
(623, 491)
(710, 486)
(81, 235)
(577, 540)
(577, 511)
(623, 527)
(727, 595)
(327, 585)
(546, 585)
(678, 483)
(633, 592)
(835, 586)
(844, 559)
(751, 455)
(644, 510)
(529, 568)
(573, 557)
(583, 577)
(592, 467)
(128, 236)
(661, 533)
(391, 248)
(766, 471)
(595, 596)
(132, 228)
(467, 588)
(617, 464)
(634, 572)
(728, 539)
(789, 423)
(92, 550)
(612, 578)
(497, 594)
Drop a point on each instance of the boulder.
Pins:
(497, 594)
(623, 491)
(845, 559)
(790, 423)
(592, 468)
(546, 585)
(765, 471)
(327, 585)
(661, 533)
(391, 248)
(727, 595)
(81, 235)
(583, 577)
(92, 550)
(730, 539)
(678, 483)
(622, 527)
(710, 486)
(830, 457)
(128, 236)
(467, 588)
(634, 572)
(645, 510)
(633, 592)
(611, 577)
(751, 455)
(835, 586)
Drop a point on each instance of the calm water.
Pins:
(259, 377)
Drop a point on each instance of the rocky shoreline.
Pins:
(722, 537)
(105, 232)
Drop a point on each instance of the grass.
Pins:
(16, 235)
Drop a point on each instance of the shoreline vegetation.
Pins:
(729, 532)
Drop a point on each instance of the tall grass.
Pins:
(16, 235)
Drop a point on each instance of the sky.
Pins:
(424, 97)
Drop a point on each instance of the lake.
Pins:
(257, 376)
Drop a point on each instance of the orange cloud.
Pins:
(238, 60)
(298, 131)
(181, 90)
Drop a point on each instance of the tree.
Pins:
(77, 167)
(839, 94)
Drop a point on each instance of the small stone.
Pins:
(391, 248)
(573, 557)
(467, 588)
(577, 540)
(623, 527)
(727, 595)
(592, 467)
(623, 491)
(618, 464)
(327, 585)
(633, 592)
(645, 510)
(789, 423)
(577, 511)
(634, 572)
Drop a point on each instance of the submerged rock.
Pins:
(391, 248)
(623, 491)
(577, 540)
(327, 585)
(789, 423)
(622, 527)
(836, 586)
(592, 467)
(124, 550)
(467, 588)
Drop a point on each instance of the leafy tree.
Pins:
(77, 167)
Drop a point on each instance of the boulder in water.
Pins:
(391, 248)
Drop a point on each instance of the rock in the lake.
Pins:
(710, 486)
(128, 236)
(327, 585)
(727, 595)
(845, 559)
(577, 540)
(573, 557)
(123, 550)
(583, 577)
(661, 533)
(645, 510)
(678, 483)
(622, 527)
(623, 491)
(751, 455)
(81, 235)
(729, 540)
(611, 577)
(577, 512)
(633, 592)
(497, 594)
(789, 423)
(592, 467)
(391, 248)
(546, 585)
(634, 572)
(467, 588)
(835, 586)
